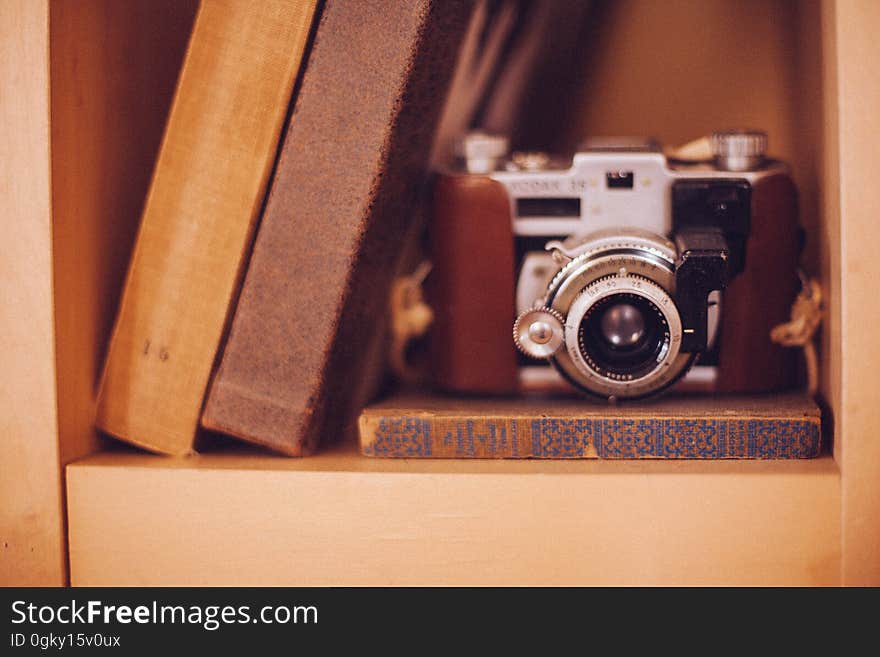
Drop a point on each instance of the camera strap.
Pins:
(806, 316)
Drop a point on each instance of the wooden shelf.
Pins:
(242, 517)
(78, 112)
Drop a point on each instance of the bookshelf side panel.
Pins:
(31, 543)
(855, 26)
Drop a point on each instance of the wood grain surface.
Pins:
(31, 515)
(338, 518)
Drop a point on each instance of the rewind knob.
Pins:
(739, 150)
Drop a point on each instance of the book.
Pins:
(208, 186)
(674, 427)
(306, 334)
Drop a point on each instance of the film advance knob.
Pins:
(539, 332)
(739, 150)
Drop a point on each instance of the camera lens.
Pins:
(622, 332)
(623, 336)
(623, 325)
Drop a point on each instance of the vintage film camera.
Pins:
(620, 271)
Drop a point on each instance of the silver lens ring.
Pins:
(636, 266)
(668, 363)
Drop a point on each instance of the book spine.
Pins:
(207, 190)
(399, 435)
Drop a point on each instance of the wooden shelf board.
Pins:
(243, 517)
(345, 457)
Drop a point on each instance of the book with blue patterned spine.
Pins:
(724, 427)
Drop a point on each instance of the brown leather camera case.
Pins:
(471, 286)
(761, 296)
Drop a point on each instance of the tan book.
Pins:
(207, 190)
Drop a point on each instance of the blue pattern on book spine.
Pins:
(610, 438)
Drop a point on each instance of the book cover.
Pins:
(304, 336)
(207, 189)
(711, 427)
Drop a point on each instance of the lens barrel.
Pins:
(623, 332)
